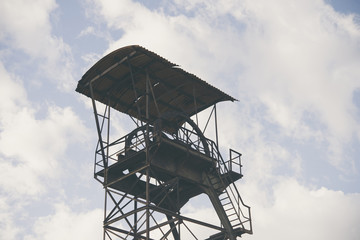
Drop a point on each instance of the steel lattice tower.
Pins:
(153, 171)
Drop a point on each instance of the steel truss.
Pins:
(142, 202)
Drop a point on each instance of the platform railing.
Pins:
(136, 142)
(234, 162)
(184, 135)
(242, 210)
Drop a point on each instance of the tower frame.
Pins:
(149, 174)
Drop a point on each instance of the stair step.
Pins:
(219, 184)
(229, 209)
(234, 226)
(224, 199)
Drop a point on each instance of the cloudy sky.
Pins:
(293, 65)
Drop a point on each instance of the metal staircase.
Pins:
(235, 216)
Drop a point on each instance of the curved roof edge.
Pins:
(119, 79)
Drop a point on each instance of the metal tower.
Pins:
(152, 172)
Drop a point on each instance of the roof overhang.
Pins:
(119, 80)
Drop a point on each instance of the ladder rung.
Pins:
(233, 217)
(231, 214)
(224, 198)
(240, 223)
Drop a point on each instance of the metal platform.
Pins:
(170, 160)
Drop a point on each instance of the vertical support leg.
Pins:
(105, 207)
(216, 128)
(147, 162)
(173, 228)
(135, 218)
(98, 126)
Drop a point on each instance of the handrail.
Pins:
(235, 193)
(188, 137)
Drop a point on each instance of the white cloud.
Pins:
(8, 227)
(297, 212)
(31, 147)
(87, 31)
(66, 223)
(301, 53)
(32, 152)
(26, 26)
(168, 35)
(35, 146)
(31, 26)
(12, 93)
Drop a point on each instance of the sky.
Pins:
(293, 65)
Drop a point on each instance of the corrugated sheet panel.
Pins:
(120, 79)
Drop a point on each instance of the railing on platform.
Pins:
(135, 141)
(242, 211)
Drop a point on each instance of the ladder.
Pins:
(228, 203)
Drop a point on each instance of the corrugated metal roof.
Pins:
(119, 78)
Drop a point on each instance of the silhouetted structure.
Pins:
(152, 172)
